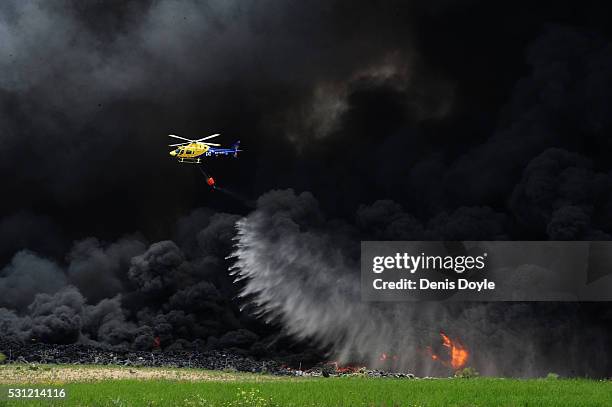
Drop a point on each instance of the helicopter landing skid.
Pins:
(190, 160)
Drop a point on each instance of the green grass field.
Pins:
(203, 388)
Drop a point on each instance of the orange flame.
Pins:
(345, 369)
(386, 356)
(458, 353)
(388, 361)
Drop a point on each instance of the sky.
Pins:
(401, 120)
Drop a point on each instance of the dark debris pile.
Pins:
(79, 354)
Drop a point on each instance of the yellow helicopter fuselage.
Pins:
(190, 152)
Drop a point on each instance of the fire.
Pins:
(345, 369)
(458, 353)
(388, 361)
(386, 356)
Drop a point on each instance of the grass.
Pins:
(246, 390)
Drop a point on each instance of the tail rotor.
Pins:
(236, 147)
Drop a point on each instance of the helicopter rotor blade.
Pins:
(179, 144)
(209, 137)
(213, 144)
(179, 137)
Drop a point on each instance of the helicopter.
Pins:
(194, 151)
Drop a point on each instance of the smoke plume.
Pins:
(429, 122)
(300, 269)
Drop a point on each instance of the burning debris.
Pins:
(389, 360)
(335, 369)
(458, 354)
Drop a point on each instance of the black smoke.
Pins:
(133, 294)
(403, 120)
